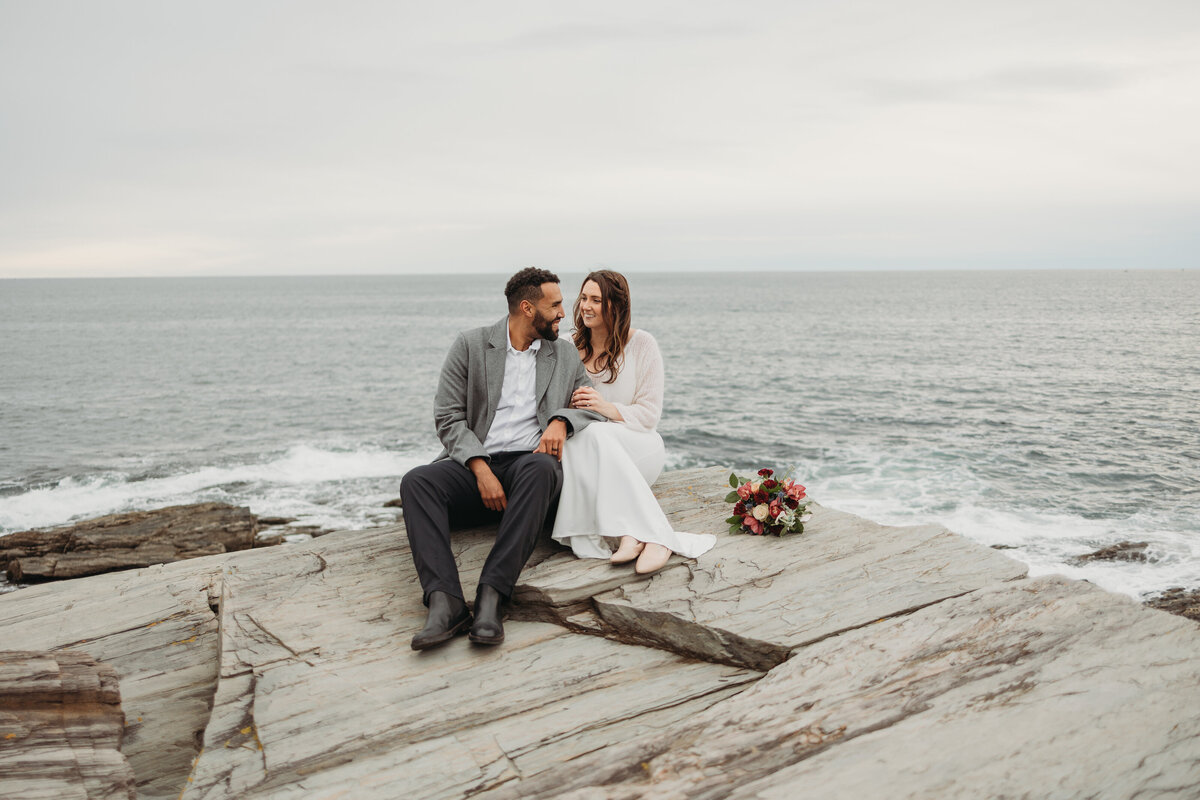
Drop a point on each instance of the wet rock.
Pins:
(123, 541)
(269, 538)
(1184, 602)
(396, 503)
(1121, 551)
(268, 522)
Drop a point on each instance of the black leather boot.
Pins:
(488, 629)
(448, 617)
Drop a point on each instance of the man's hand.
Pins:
(489, 485)
(553, 439)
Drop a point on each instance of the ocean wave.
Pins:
(287, 484)
(1046, 542)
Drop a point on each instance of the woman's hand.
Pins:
(589, 399)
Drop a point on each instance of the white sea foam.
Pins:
(1046, 542)
(329, 488)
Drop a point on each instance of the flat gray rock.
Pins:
(752, 600)
(1042, 688)
(61, 728)
(901, 657)
(155, 627)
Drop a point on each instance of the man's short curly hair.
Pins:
(527, 285)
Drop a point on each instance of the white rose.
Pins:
(761, 512)
(754, 487)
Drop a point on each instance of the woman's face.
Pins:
(591, 305)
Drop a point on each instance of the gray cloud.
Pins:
(642, 31)
(269, 137)
(1017, 83)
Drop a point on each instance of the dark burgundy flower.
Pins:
(770, 483)
(766, 472)
(740, 508)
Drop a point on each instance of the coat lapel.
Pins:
(545, 370)
(493, 364)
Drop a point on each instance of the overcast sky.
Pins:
(172, 138)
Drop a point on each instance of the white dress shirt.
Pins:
(515, 426)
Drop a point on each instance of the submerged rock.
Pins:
(1121, 551)
(123, 541)
(1184, 602)
(270, 522)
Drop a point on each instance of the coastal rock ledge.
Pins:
(130, 539)
(856, 660)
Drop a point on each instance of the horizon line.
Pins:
(668, 271)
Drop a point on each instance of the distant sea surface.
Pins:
(1049, 412)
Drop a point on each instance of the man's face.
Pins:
(548, 311)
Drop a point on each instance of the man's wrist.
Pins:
(564, 421)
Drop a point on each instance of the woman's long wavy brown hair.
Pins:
(614, 309)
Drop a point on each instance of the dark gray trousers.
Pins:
(445, 493)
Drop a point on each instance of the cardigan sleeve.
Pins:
(643, 413)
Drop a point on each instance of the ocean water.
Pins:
(1051, 412)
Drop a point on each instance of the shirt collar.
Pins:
(534, 346)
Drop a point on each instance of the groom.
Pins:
(501, 413)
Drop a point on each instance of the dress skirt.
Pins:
(607, 473)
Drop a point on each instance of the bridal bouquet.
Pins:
(767, 505)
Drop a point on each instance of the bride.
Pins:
(608, 469)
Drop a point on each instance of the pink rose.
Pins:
(744, 491)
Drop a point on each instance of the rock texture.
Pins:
(1178, 601)
(853, 657)
(122, 541)
(1121, 551)
(61, 727)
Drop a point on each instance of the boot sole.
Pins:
(443, 637)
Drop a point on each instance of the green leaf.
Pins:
(735, 521)
(732, 497)
(733, 481)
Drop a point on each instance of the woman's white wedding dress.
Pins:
(608, 467)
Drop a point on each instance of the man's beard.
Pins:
(545, 326)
